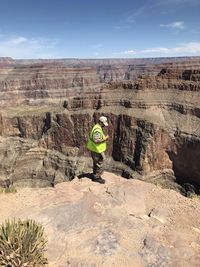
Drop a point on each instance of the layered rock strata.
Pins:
(47, 111)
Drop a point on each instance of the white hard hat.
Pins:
(104, 120)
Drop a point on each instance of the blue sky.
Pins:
(99, 29)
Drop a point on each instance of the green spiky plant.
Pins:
(10, 189)
(22, 244)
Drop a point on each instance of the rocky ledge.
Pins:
(127, 223)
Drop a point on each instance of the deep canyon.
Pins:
(47, 108)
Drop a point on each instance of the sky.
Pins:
(99, 29)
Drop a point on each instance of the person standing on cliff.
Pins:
(97, 145)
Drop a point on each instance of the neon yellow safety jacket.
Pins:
(91, 145)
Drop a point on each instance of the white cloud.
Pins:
(187, 48)
(121, 27)
(176, 25)
(158, 7)
(192, 47)
(176, 2)
(23, 47)
(156, 50)
(130, 52)
(17, 40)
(132, 15)
(96, 46)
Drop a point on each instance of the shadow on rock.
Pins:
(86, 175)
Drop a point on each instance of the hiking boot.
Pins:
(98, 180)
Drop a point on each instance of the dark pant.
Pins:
(98, 159)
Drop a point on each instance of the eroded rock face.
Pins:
(47, 111)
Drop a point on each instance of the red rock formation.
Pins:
(4, 61)
(153, 110)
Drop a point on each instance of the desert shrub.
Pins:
(192, 195)
(22, 244)
(10, 189)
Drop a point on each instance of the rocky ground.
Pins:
(125, 223)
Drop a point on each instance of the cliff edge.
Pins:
(127, 223)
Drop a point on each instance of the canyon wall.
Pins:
(47, 109)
